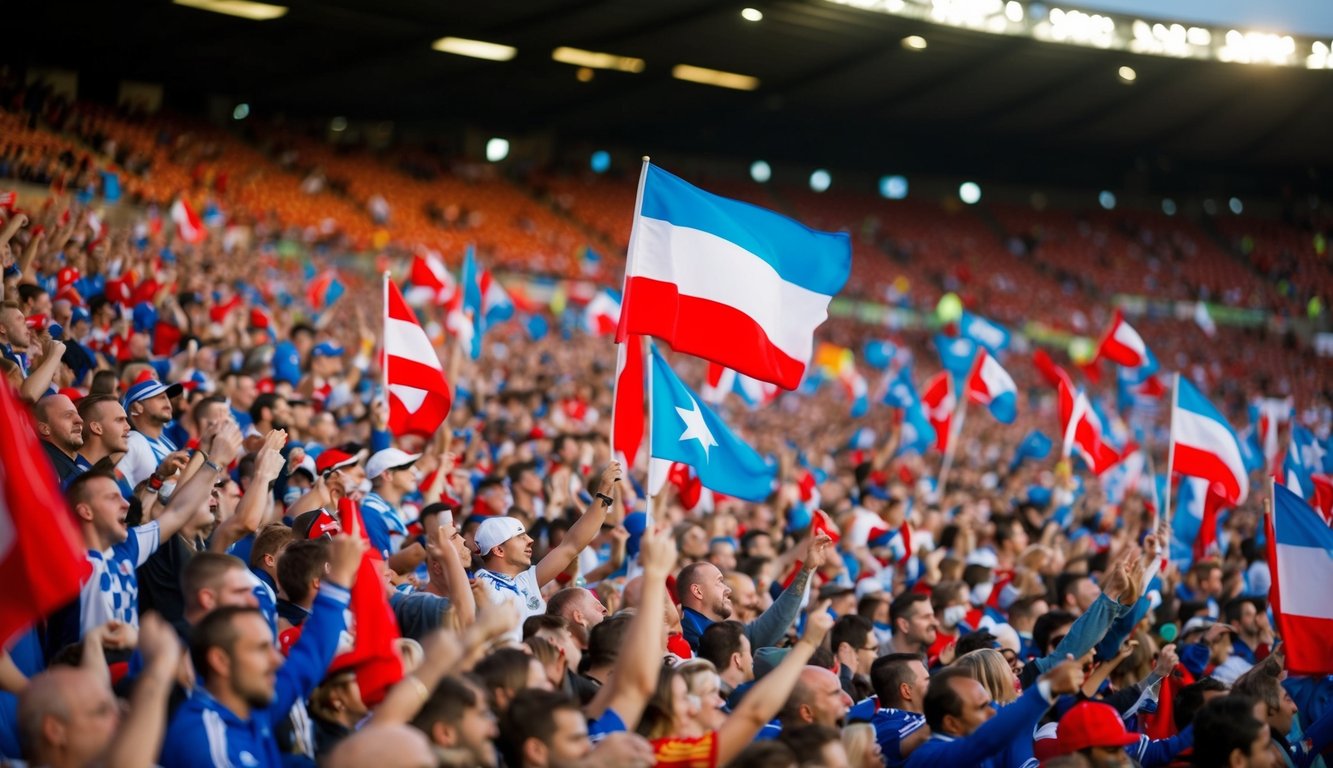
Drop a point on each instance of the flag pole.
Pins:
(1171, 448)
(622, 340)
(384, 345)
(955, 429)
(648, 423)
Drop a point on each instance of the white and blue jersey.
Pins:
(112, 592)
(384, 526)
(144, 455)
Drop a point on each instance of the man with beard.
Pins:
(245, 687)
(705, 598)
(269, 411)
(61, 431)
(106, 430)
(148, 405)
(581, 609)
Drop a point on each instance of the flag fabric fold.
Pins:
(1083, 430)
(992, 386)
(418, 394)
(1204, 445)
(42, 561)
(1122, 344)
(988, 333)
(728, 281)
(431, 279)
(687, 431)
(1300, 560)
(373, 627)
(627, 414)
(188, 224)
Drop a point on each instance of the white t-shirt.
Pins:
(144, 455)
(522, 590)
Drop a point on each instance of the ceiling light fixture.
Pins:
(245, 9)
(715, 77)
(594, 60)
(477, 49)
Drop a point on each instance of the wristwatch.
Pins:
(606, 500)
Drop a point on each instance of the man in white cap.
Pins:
(148, 405)
(391, 477)
(506, 550)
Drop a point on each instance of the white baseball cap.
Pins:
(389, 458)
(495, 531)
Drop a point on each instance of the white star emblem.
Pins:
(695, 428)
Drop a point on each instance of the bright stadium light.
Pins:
(820, 180)
(600, 161)
(1127, 74)
(241, 112)
(1235, 205)
(915, 43)
(1013, 11)
(969, 192)
(760, 171)
(893, 187)
(1106, 199)
(477, 49)
(752, 14)
(497, 149)
(595, 60)
(338, 124)
(706, 76)
(241, 8)
(1169, 207)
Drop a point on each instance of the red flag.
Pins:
(419, 396)
(430, 275)
(628, 411)
(938, 398)
(42, 562)
(8, 201)
(1052, 373)
(1205, 544)
(1122, 344)
(188, 225)
(372, 654)
(1083, 430)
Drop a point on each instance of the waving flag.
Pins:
(686, 431)
(939, 403)
(989, 334)
(1268, 414)
(1304, 460)
(496, 305)
(627, 414)
(858, 392)
(992, 386)
(42, 558)
(728, 281)
(466, 308)
(1036, 445)
(602, 313)
(419, 397)
(1122, 344)
(1083, 429)
(1300, 559)
(1194, 526)
(1137, 388)
(1053, 374)
(431, 281)
(880, 354)
(957, 355)
(590, 262)
(324, 290)
(753, 392)
(375, 631)
(1204, 445)
(188, 225)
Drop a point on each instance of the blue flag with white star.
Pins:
(687, 431)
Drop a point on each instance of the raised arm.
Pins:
(40, 378)
(772, 624)
(582, 532)
(139, 737)
(257, 501)
(191, 497)
(460, 591)
(634, 677)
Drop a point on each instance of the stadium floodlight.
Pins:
(752, 14)
(760, 171)
(1013, 11)
(497, 149)
(969, 192)
(1127, 74)
(596, 60)
(1169, 207)
(241, 112)
(477, 49)
(893, 187)
(338, 124)
(245, 9)
(715, 77)
(820, 180)
(1106, 199)
(1236, 206)
(600, 161)
(915, 43)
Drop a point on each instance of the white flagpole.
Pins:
(1171, 449)
(955, 430)
(622, 351)
(384, 346)
(648, 364)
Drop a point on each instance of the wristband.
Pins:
(213, 466)
(155, 482)
(607, 501)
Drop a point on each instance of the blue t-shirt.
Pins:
(604, 726)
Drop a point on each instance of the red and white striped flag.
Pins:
(431, 279)
(1083, 430)
(419, 397)
(188, 225)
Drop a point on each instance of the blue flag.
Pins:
(1035, 446)
(957, 356)
(537, 327)
(471, 287)
(687, 431)
(879, 354)
(988, 333)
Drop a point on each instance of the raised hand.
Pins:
(1167, 659)
(1065, 678)
(226, 444)
(818, 552)
(817, 625)
(606, 482)
(657, 552)
(171, 464)
(345, 553)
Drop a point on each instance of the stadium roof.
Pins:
(836, 84)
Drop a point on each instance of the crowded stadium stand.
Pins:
(952, 387)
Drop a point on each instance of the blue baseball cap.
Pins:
(80, 315)
(148, 389)
(326, 349)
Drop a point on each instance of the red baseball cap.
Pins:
(331, 459)
(1093, 724)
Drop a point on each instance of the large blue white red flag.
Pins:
(1300, 559)
(1204, 445)
(1122, 344)
(728, 281)
(992, 386)
(687, 431)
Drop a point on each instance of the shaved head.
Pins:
(384, 746)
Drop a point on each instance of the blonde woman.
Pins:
(863, 751)
(989, 667)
